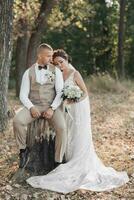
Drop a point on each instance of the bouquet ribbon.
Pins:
(67, 110)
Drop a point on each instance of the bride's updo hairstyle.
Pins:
(61, 53)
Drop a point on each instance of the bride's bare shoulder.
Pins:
(77, 74)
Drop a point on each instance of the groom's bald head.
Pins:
(44, 54)
(42, 47)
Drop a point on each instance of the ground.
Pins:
(113, 134)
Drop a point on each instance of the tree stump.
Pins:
(41, 141)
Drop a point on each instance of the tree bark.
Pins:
(120, 61)
(5, 57)
(21, 50)
(41, 142)
(21, 57)
(40, 28)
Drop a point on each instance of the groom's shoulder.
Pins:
(32, 66)
(30, 70)
(52, 67)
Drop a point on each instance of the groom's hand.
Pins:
(68, 101)
(35, 113)
(48, 114)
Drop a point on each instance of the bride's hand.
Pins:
(68, 101)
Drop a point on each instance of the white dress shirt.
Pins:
(41, 78)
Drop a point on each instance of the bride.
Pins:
(83, 169)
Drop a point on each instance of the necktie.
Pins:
(42, 67)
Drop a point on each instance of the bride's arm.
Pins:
(80, 82)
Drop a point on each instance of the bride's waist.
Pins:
(82, 98)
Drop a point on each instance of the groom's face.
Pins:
(45, 56)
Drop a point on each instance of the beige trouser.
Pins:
(23, 118)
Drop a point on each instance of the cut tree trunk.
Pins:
(41, 142)
(5, 57)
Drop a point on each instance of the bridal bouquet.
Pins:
(72, 93)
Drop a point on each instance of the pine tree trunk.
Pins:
(5, 57)
(21, 57)
(21, 51)
(120, 67)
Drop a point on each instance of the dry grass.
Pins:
(103, 83)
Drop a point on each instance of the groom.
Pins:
(40, 94)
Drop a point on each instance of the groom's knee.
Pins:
(17, 121)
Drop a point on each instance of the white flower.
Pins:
(72, 92)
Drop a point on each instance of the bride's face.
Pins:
(61, 63)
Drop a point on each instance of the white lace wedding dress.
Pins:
(83, 170)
